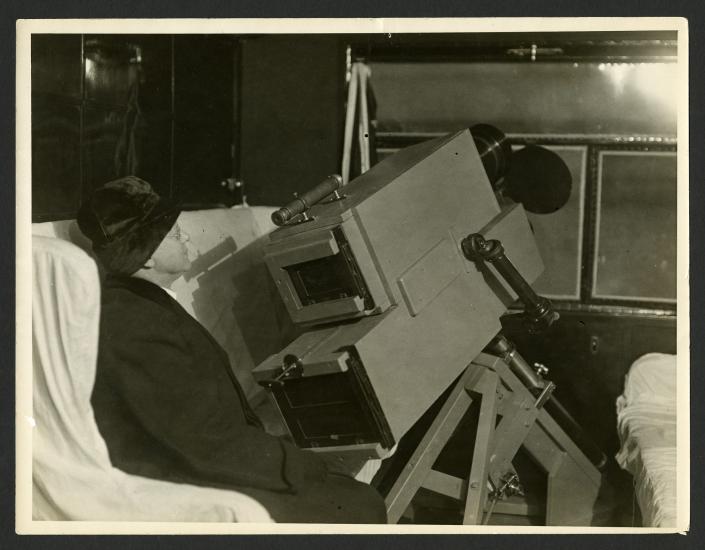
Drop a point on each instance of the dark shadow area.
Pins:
(588, 355)
(237, 301)
(203, 262)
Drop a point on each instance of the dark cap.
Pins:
(126, 221)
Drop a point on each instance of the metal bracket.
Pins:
(292, 367)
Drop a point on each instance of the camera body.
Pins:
(392, 310)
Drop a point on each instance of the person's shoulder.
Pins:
(130, 316)
(129, 294)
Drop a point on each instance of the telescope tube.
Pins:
(538, 311)
(303, 202)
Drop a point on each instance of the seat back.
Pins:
(71, 471)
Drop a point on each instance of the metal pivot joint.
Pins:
(302, 203)
(506, 350)
(543, 389)
(292, 367)
(538, 311)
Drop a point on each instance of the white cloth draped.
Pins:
(646, 422)
(73, 478)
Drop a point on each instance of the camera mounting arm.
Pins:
(538, 311)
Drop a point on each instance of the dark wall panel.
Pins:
(291, 115)
(156, 106)
(128, 109)
(56, 125)
(56, 67)
(588, 356)
(102, 128)
(203, 116)
(56, 157)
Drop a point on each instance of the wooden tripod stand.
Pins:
(573, 481)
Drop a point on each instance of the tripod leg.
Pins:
(349, 123)
(419, 465)
(573, 481)
(477, 483)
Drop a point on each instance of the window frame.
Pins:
(590, 294)
(542, 47)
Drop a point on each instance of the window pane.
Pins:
(636, 230)
(559, 235)
(551, 98)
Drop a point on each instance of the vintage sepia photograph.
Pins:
(335, 276)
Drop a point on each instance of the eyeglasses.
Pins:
(177, 234)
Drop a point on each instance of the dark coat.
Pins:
(168, 406)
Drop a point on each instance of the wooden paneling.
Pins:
(156, 106)
(291, 118)
(203, 116)
(56, 67)
(56, 156)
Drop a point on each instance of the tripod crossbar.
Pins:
(573, 481)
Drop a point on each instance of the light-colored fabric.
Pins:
(66, 230)
(73, 478)
(227, 289)
(170, 292)
(646, 422)
(369, 468)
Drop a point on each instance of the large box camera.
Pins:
(393, 311)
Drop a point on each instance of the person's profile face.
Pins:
(172, 255)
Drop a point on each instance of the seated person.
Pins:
(165, 397)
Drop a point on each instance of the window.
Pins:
(527, 98)
(612, 120)
(635, 234)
